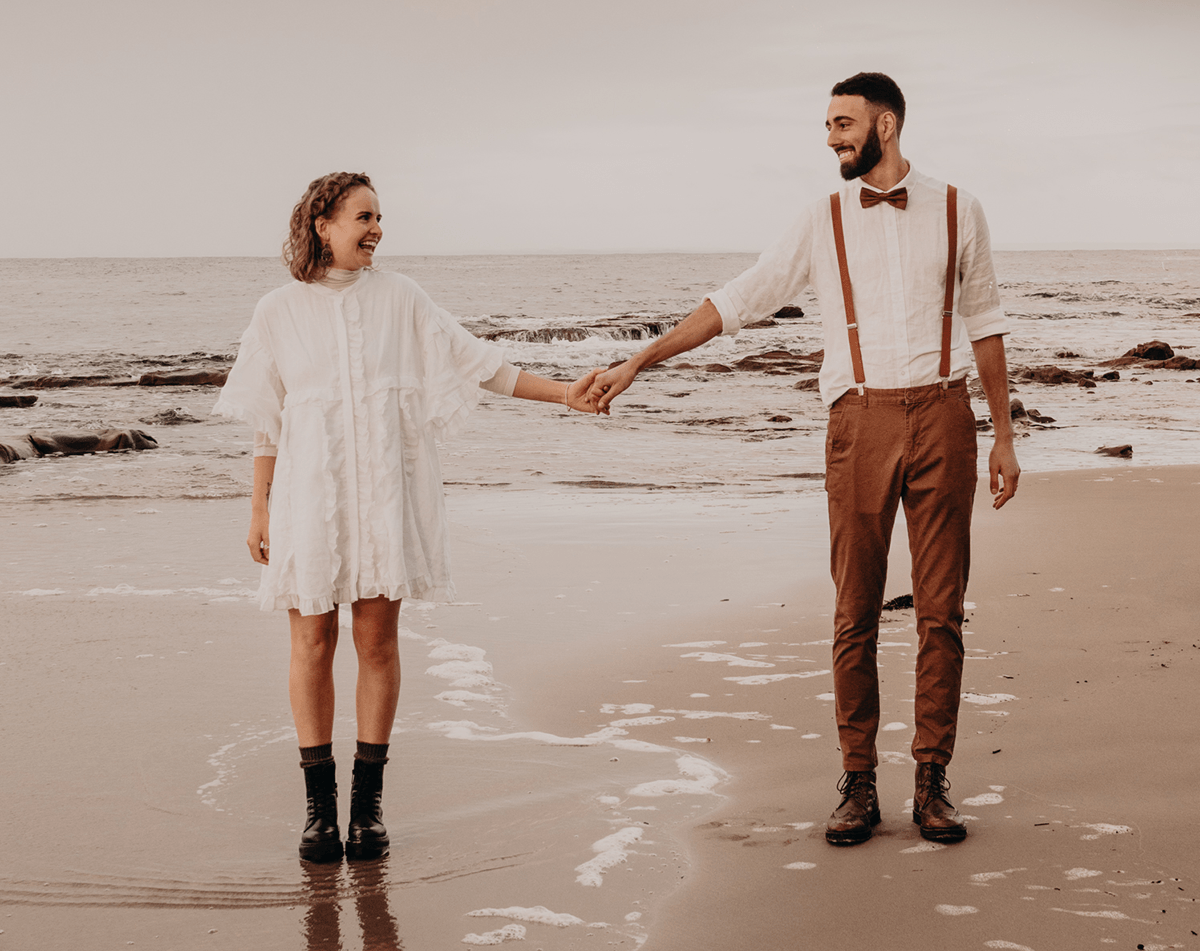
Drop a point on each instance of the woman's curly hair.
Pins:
(302, 249)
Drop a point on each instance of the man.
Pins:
(898, 345)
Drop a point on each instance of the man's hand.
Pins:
(1005, 473)
(993, 376)
(578, 395)
(610, 384)
(698, 327)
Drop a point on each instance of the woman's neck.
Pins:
(336, 278)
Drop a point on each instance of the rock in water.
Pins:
(184, 378)
(77, 444)
(1181, 363)
(15, 400)
(17, 447)
(1052, 375)
(1125, 451)
(904, 602)
(778, 362)
(1153, 350)
(61, 382)
(170, 417)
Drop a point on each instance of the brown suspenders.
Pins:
(839, 240)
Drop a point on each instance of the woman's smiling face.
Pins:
(353, 231)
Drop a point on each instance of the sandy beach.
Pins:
(621, 735)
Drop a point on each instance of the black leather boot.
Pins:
(940, 821)
(321, 841)
(366, 836)
(854, 820)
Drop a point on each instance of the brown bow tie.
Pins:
(897, 197)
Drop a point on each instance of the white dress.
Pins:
(355, 386)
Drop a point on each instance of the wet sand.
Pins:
(1079, 775)
(153, 796)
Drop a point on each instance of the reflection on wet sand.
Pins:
(324, 889)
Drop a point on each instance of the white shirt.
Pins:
(337, 279)
(355, 387)
(897, 262)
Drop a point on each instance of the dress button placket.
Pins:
(351, 454)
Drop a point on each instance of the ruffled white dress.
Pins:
(355, 386)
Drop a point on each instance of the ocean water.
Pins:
(559, 315)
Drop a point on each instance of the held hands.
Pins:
(578, 395)
(593, 392)
(609, 384)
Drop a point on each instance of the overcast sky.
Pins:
(157, 128)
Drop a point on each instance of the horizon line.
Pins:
(567, 253)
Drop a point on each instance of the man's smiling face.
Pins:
(853, 135)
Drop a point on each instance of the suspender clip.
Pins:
(945, 383)
(852, 326)
(862, 389)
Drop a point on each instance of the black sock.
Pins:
(372, 752)
(316, 755)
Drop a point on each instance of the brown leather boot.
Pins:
(852, 821)
(940, 821)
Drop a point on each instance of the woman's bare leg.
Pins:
(310, 676)
(378, 691)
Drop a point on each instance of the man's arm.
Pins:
(699, 327)
(993, 375)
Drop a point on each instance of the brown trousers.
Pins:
(915, 446)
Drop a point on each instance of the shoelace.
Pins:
(936, 785)
(855, 786)
(322, 806)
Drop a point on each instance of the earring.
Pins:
(326, 256)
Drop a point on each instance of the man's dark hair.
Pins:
(877, 89)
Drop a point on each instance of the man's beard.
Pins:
(868, 157)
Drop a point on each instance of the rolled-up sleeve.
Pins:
(780, 274)
(263, 446)
(504, 382)
(979, 294)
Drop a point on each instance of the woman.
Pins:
(348, 376)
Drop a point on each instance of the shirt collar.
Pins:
(903, 183)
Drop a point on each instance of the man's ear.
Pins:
(885, 125)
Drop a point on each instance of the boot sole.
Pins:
(365, 852)
(854, 838)
(321, 854)
(940, 835)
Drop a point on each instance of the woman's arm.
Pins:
(259, 539)
(530, 386)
